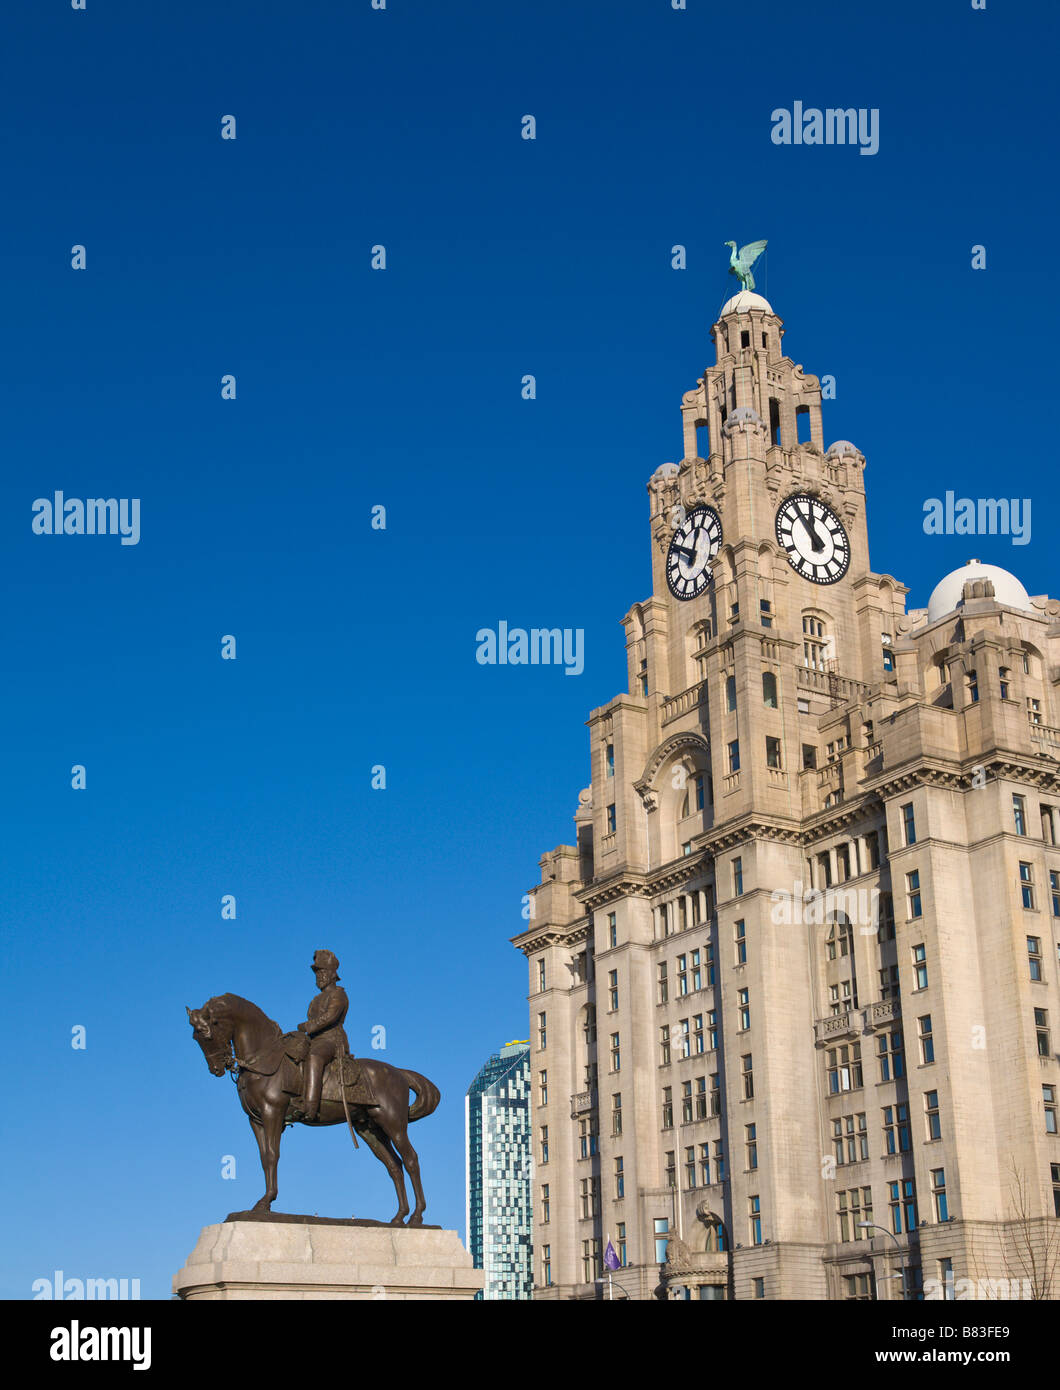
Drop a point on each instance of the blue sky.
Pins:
(402, 387)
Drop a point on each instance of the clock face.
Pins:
(696, 541)
(813, 539)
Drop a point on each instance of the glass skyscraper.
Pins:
(497, 1132)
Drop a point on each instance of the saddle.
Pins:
(287, 1053)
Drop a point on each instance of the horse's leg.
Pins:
(378, 1141)
(272, 1117)
(259, 1135)
(400, 1141)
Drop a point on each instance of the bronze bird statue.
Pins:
(740, 263)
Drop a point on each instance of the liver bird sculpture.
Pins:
(740, 263)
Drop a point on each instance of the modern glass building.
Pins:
(497, 1131)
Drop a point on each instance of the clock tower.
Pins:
(757, 976)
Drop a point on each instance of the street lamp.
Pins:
(872, 1226)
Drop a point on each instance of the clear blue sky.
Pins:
(402, 387)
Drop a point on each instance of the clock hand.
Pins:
(811, 528)
(683, 550)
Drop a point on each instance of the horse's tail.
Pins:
(428, 1095)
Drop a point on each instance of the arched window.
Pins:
(769, 689)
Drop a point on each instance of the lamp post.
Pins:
(872, 1226)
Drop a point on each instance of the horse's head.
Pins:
(212, 1036)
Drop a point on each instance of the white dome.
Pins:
(743, 302)
(946, 595)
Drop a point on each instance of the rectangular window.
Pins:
(682, 975)
(912, 888)
(612, 930)
(697, 1033)
(889, 1051)
(546, 1265)
(719, 1161)
(741, 942)
(1049, 1101)
(610, 759)
(544, 1143)
(701, 1097)
(671, 1169)
(938, 1193)
(734, 755)
(686, 1102)
(737, 876)
(751, 1144)
(686, 1037)
(946, 1278)
(616, 1054)
(662, 1227)
(772, 752)
(809, 757)
(611, 820)
(696, 970)
(542, 1031)
(541, 973)
(620, 1250)
(620, 1178)
(612, 990)
(896, 1128)
(616, 1113)
(927, 1041)
(971, 682)
(690, 1167)
(1041, 1028)
(1054, 1172)
(730, 693)
(709, 963)
(765, 610)
(704, 1165)
(744, 1010)
(1034, 710)
(1034, 957)
(853, 1209)
(758, 1287)
(664, 1045)
(754, 1208)
(920, 970)
(715, 1093)
(542, 1086)
(850, 1139)
(1054, 890)
(747, 1072)
(546, 1205)
(903, 1205)
(1027, 885)
(662, 987)
(909, 824)
(931, 1114)
(668, 1107)
(587, 1137)
(844, 1068)
(1019, 814)
(712, 1030)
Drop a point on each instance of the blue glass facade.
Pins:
(497, 1119)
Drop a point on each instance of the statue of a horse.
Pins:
(232, 1031)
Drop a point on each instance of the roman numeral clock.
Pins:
(695, 543)
(813, 538)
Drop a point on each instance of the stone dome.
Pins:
(743, 302)
(665, 471)
(946, 595)
(842, 448)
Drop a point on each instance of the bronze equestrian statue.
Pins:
(309, 1078)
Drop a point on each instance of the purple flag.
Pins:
(610, 1258)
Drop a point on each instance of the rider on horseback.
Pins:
(323, 1027)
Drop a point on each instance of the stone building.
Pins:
(794, 999)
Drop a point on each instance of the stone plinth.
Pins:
(306, 1259)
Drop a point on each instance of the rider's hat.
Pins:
(325, 960)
